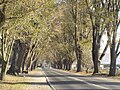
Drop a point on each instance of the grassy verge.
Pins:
(13, 83)
(16, 82)
(103, 73)
(34, 80)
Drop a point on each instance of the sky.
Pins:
(106, 58)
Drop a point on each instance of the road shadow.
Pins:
(104, 83)
(71, 82)
(66, 82)
(67, 76)
(64, 74)
(80, 84)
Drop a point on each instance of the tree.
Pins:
(113, 8)
(97, 16)
(14, 15)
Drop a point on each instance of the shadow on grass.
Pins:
(27, 83)
(31, 75)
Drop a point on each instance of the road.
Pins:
(61, 80)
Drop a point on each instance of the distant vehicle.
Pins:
(117, 68)
(39, 65)
(26, 72)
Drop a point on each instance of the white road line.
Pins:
(84, 81)
(47, 79)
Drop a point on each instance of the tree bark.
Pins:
(14, 58)
(3, 71)
(113, 55)
(79, 58)
(31, 60)
(25, 58)
(95, 54)
(77, 46)
(20, 57)
(2, 20)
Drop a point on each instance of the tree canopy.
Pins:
(61, 32)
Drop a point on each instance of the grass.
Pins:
(15, 82)
(12, 87)
(12, 83)
(103, 73)
(32, 81)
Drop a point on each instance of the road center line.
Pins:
(47, 79)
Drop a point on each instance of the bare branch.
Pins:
(118, 54)
(105, 49)
(118, 45)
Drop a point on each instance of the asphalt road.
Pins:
(60, 80)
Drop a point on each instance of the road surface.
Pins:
(60, 80)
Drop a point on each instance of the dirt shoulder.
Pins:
(35, 80)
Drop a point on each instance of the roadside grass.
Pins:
(12, 83)
(103, 73)
(34, 80)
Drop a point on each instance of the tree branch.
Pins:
(118, 54)
(105, 49)
(118, 45)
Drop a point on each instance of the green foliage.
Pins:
(51, 27)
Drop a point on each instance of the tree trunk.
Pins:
(69, 65)
(112, 71)
(20, 57)
(77, 47)
(79, 58)
(14, 58)
(113, 55)
(34, 65)
(31, 60)
(27, 52)
(12, 67)
(114, 25)
(96, 34)
(95, 59)
(3, 71)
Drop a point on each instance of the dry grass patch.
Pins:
(12, 83)
(34, 80)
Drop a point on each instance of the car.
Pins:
(117, 68)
